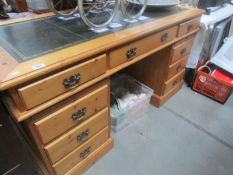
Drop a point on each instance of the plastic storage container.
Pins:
(131, 100)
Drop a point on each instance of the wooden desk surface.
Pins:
(13, 73)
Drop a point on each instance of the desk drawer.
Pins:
(181, 50)
(77, 136)
(72, 114)
(188, 27)
(136, 48)
(176, 67)
(79, 154)
(170, 84)
(48, 88)
(84, 165)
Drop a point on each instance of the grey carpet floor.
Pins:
(190, 135)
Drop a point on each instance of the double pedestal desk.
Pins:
(61, 99)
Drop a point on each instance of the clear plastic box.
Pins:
(133, 102)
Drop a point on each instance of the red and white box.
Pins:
(216, 84)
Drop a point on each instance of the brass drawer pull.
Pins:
(178, 68)
(72, 81)
(80, 115)
(131, 53)
(190, 27)
(164, 37)
(183, 51)
(85, 153)
(83, 136)
(175, 82)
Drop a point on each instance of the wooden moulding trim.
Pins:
(72, 55)
(26, 18)
(158, 101)
(20, 116)
(7, 63)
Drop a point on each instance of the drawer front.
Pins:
(77, 136)
(83, 166)
(71, 115)
(188, 27)
(181, 50)
(170, 84)
(132, 50)
(48, 88)
(79, 154)
(176, 67)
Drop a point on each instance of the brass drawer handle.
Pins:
(183, 51)
(131, 53)
(164, 37)
(175, 82)
(80, 115)
(190, 27)
(178, 68)
(83, 136)
(72, 81)
(85, 153)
